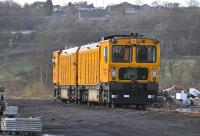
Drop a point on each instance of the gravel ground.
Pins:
(81, 120)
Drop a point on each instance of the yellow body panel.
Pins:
(88, 65)
(65, 67)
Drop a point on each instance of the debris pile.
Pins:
(181, 97)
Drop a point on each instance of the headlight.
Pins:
(114, 74)
(154, 75)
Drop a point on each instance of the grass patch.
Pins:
(12, 67)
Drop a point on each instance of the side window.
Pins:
(105, 52)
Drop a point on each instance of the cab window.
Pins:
(146, 54)
(121, 54)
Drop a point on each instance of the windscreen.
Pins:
(133, 73)
(121, 54)
(146, 54)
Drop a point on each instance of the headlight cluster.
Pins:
(154, 75)
(114, 74)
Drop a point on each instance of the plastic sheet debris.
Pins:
(182, 97)
(194, 92)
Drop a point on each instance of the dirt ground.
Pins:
(81, 120)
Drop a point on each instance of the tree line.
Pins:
(177, 28)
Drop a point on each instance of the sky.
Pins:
(101, 3)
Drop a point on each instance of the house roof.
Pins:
(38, 4)
(145, 7)
(84, 5)
(124, 5)
(127, 5)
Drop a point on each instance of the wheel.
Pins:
(75, 102)
(63, 101)
(113, 105)
(143, 106)
(127, 105)
(55, 93)
(137, 106)
(108, 105)
(88, 103)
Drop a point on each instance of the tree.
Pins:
(171, 4)
(48, 6)
(69, 4)
(193, 3)
(138, 2)
(156, 3)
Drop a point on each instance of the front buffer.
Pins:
(133, 93)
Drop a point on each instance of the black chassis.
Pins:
(131, 93)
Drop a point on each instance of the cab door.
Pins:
(105, 61)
